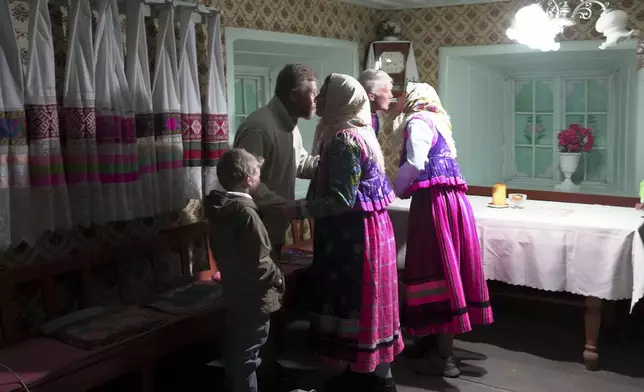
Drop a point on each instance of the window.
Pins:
(534, 124)
(542, 107)
(586, 104)
(251, 91)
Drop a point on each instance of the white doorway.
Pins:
(253, 59)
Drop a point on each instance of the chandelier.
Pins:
(538, 25)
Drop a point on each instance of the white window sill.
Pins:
(549, 185)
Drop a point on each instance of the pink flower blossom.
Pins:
(575, 139)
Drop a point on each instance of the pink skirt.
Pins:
(355, 317)
(443, 287)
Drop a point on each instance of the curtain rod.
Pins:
(196, 4)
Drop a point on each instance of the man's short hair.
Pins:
(374, 79)
(235, 166)
(293, 77)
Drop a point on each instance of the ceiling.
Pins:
(406, 4)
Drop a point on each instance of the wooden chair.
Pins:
(297, 254)
(302, 235)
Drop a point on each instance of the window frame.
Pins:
(261, 76)
(559, 119)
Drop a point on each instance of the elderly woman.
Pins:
(355, 326)
(378, 85)
(444, 288)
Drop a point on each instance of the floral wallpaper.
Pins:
(481, 24)
(470, 25)
(428, 29)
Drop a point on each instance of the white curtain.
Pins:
(115, 129)
(138, 76)
(116, 147)
(49, 198)
(190, 100)
(215, 112)
(15, 198)
(78, 131)
(165, 101)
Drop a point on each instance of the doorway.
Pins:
(255, 57)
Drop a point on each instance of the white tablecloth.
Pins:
(591, 250)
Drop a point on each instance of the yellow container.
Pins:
(499, 194)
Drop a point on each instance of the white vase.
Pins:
(390, 38)
(568, 162)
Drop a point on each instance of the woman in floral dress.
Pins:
(354, 322)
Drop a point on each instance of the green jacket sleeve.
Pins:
(342, 176)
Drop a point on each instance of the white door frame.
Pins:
(235, 33)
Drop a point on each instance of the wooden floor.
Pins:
(531, 347)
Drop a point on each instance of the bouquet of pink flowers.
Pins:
(575, 139)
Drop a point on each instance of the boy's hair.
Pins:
(235, 166)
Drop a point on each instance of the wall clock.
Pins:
(397, 59)
(392, 62)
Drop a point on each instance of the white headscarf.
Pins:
(421, 98)
(346, 106)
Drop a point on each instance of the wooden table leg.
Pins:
(592, 321)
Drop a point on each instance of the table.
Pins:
(591, 250)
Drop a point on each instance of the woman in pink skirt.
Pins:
(443, 288)
(354, 285)
(353, 279)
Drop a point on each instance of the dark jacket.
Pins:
(241, 248)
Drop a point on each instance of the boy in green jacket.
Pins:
(252, 282)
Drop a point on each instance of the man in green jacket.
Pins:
(271, 132)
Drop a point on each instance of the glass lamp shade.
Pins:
(532, 27)
(612, 24)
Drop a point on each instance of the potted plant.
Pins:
(389, 31)
(572, 142)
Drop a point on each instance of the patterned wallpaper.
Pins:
(322, 18)
(469, 25)
(430, 28)
(481, 24)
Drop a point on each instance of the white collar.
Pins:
(242, 194)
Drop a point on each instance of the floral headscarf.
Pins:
(422, 98)
(346, 106)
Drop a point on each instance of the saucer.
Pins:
(506, 205)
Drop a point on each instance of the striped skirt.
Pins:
(354, 281)
(443, 287)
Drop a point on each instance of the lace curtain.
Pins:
(117, 144)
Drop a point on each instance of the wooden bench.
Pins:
(140, 271)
